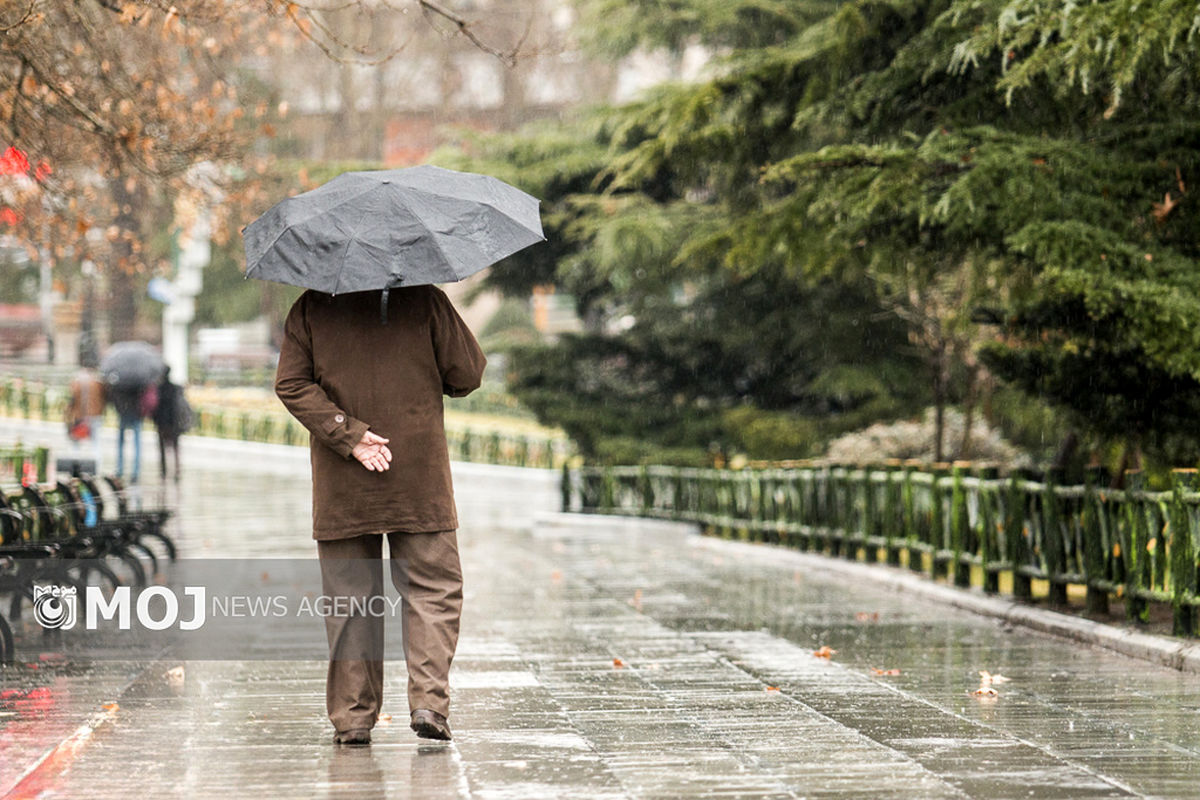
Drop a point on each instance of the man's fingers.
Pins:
(386, 453)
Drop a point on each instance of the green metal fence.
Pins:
(465, 444)
(19, 463)
(35, 401)
(967, 525)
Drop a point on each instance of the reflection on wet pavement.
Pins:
(612, 658)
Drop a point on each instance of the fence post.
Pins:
(565, 488)
(607, 492)
(912, 533)
(1137, 560)
(892, 512)
(938, 538)
(647, 493)
(1094, 546)
(41, 461)
(870, 517)
(1182, 553)
(1017, 535)
(1052, 539)
(989, 550)
(959, 522)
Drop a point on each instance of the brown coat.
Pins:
(87, 397)
(342, 372)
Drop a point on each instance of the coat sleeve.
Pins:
(296, 387)
(459, 358)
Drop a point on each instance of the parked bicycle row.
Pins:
(75, 532)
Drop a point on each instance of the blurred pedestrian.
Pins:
(361, 381)
(85, 411)
(133, 405)
(172, 417)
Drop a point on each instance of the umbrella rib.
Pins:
(350, 240)
(432, 235)
(492, 206)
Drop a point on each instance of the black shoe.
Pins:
(356, 736)
(430, 725)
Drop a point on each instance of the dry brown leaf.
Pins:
(824, 651)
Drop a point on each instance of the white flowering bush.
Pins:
(915, 439)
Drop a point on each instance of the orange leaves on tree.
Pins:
(824, 651)
(10, 217)
(1163, 209)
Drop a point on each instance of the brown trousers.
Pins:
(427, 574)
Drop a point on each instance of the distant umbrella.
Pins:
(131, 365)
(382, 229)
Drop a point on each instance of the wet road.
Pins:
(611, 658)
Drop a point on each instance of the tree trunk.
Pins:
(124, 263)
(1066, 450)
(969, 401)
(939, 403)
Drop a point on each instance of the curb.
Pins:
(1179, 654)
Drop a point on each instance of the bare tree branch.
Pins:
(25, 17)
(464, 27)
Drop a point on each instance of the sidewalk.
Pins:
(604, 657)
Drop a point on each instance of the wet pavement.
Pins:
(603, 657)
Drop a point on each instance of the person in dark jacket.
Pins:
(171, 419)
(370, 394)
(130, 404)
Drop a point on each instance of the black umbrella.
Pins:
(387, 228)
(131, 365)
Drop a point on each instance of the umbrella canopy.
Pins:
(131, 365)
(386, 228)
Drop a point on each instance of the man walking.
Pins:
(368, 387)
(172, 418)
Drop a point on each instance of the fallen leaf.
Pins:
(556, 576)
(892, 671)
(618, 663)
(772, 689)
(110, 707)
(867, 616)
(824, 651)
